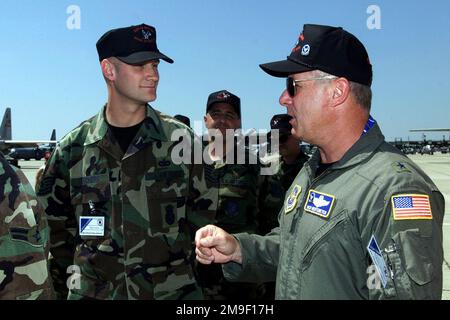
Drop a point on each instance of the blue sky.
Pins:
(50, 75)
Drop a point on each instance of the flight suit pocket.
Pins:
(412, 270)
(329, 234)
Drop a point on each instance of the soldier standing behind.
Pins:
(237, 184)
(117, 203)
(274, 186)
(23, 239)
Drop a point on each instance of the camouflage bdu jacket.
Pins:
(272, 192)
(139, 203)
(23, 239)
(238, 189)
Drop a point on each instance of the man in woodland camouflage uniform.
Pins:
(118, 205)
(23, 239)
(236, 177)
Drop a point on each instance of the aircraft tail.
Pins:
(5, 128)
(53, 138)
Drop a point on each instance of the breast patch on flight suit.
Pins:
(411, 207)
(319, 204)
(291, 201)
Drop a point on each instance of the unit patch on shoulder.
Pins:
(411, 207)
(291, 201)
(319, 203)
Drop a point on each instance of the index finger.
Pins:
(202, 233)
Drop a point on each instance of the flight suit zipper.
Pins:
(294, 222)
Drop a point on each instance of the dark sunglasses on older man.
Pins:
(292, 83)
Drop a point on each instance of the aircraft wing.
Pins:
(430, 129)
(9, 144)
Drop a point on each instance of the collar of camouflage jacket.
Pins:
(150, 130)
(360, 151)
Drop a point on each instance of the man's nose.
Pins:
(151, 73)
(285, 99)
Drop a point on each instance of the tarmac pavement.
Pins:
(437, 166)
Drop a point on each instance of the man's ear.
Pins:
(108, 69)
(341, 91)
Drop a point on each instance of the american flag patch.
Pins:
(411, 207)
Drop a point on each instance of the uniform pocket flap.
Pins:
(415, 253)
(95, 188)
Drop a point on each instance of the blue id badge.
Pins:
(92, 226)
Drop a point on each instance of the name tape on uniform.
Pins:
(319, 203)
(411, 207)
(92, 226)
(378, 260)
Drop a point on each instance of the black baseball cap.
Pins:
(329, 49)
(132, 45)
(281, 122)
(183, 119)
(225, 97)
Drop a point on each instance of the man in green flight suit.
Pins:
(118, 204)
(361, 220)
(236, 179)
(24, 239)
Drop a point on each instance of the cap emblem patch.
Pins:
(305, 50)
(223, 95)
(146, 34)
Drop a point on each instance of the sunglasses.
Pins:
(292, 83)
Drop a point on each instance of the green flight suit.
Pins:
(146, 201)
(318, 254)
(24, 239)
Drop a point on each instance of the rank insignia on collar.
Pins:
(319, 203)
(400, 167)
(291, 201)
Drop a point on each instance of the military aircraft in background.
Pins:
(425, 146)
(23, 149)
(430, 129)
(39, 152)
